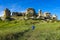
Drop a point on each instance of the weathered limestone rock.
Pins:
(14, 13)
(40, 15)
(47, 15)
(54, 17)
(30, 12)
(17, 14)
(7, 13)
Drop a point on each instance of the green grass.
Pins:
(21, 30)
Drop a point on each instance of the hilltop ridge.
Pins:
(29, 14)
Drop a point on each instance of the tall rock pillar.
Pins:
(7, 13)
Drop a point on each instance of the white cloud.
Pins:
(1, 13)
(1, 10)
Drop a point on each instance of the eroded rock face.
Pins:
(54, 17)
(17, 14)
(14, 13)
(47, 15)
(7, 13)
(30, 12)
(40, 15)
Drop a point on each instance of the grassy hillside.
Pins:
(22, 30)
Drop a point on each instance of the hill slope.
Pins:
(22, 30)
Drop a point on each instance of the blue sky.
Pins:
(52, 6)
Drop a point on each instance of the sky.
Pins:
(52, 6)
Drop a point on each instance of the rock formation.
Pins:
(7, 13)
(47, 15)
(54, 17)
(40, 15)
(30, 14)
